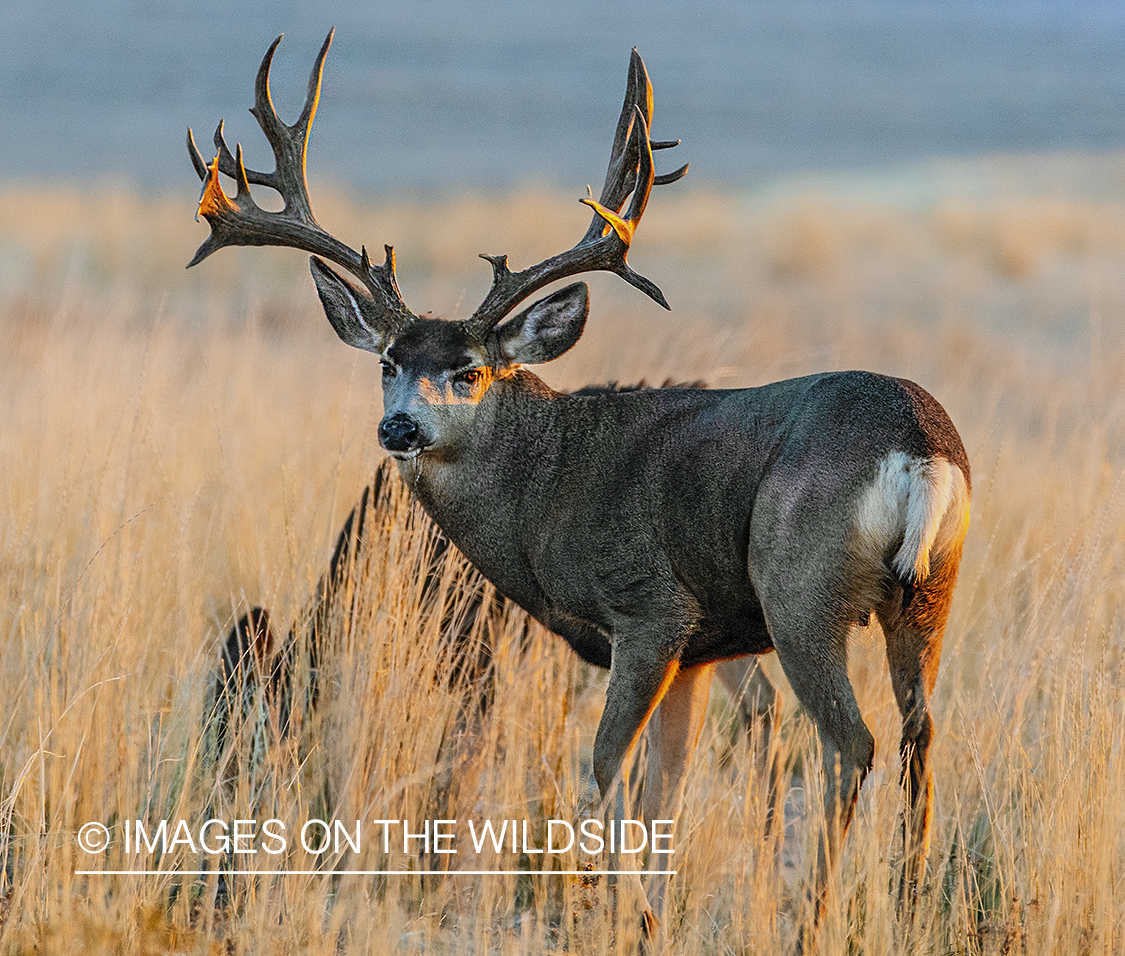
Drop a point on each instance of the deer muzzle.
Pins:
(401, 435)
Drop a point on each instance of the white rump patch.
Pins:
(922, 501)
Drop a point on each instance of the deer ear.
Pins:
(546, 329)
(349, 308)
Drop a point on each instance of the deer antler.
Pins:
(606, 242)
(239, 221)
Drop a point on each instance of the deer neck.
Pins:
(514, 440)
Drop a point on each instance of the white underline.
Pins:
(373, 872)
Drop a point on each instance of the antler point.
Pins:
(623, 227)
(213, 201)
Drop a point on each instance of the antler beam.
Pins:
(240, 221)
(606, 243)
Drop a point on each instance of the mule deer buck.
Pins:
(265, 684)
(254, 661)
(657, 531)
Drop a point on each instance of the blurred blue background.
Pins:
(446, 95)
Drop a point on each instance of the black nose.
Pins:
(398, 432)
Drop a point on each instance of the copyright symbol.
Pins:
(93, 837)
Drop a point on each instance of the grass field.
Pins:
(176, 446)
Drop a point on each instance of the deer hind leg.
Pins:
(848, 749)
(811, 645)
(914, 628)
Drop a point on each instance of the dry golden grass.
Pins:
(176, 446)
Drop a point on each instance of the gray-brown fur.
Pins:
(253, 660)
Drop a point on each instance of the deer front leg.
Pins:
(673, 733)
(638, 678)
(637, 682)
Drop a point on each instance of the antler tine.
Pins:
(242, 222)
(289, 143)
(626, 157)
(621, 176)
(606, 242)
(227, 164)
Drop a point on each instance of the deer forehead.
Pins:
(430, 347)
